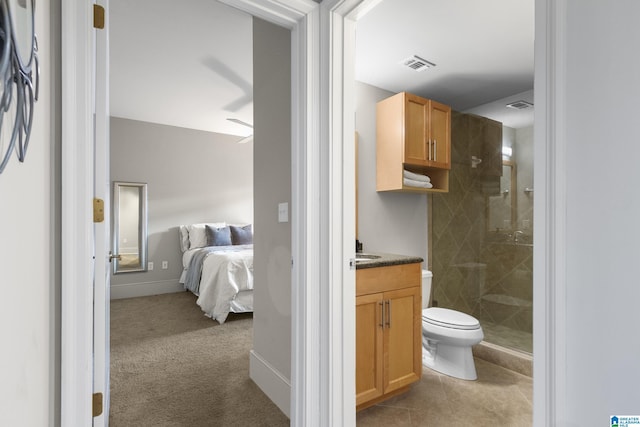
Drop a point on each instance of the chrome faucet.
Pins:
(516, 235)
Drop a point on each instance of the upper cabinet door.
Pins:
(416, 147)
(439, 135)
(427, 132)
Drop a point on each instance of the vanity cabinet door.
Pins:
(402, 338)
(388, 331)
(369, 348)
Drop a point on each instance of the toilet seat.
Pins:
(447, 318)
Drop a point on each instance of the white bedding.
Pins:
(226, 283)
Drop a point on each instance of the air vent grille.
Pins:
(520, 105)
(416, 63)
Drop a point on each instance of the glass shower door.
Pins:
(481, 231)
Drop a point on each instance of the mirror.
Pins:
(129, 227)
(502, 209)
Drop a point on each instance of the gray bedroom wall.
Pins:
(271, 353)
(387, 222)
(192, 176)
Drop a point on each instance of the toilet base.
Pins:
(454, 361)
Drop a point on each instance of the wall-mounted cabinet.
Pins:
(414, 134)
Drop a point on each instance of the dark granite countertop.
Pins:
(377, 259)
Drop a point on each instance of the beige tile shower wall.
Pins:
(523, 155)
(459, 219)
(477, 271)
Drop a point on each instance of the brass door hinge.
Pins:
(97, 404)
(98, 16)
(98, 210)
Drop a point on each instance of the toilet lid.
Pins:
(449, 318)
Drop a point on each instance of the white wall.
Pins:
(271, 353)
(601, 87)
(387, 222)
(29, 307)
(192, 176)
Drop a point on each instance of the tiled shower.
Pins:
(481, 230)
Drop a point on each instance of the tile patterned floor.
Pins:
(499, 397)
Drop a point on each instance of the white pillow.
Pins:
(198, 235)
(184, 238)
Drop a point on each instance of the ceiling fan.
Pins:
(247, 138)
(234, 78)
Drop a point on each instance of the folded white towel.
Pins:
(416, 176)
(413, 183)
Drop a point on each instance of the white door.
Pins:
(102, 230)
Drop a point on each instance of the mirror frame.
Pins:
(116, 257)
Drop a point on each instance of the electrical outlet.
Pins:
(165, 265)
(150, 266)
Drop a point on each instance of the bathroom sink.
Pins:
(360, 257)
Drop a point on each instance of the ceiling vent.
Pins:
(417, 64)
(520, 105)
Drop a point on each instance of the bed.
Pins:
(217, 260)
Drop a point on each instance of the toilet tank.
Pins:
(426, 288)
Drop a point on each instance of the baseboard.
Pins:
(271, 382)
(143, 289)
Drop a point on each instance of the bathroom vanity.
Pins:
(388, 326)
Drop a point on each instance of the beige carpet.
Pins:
(172, 366)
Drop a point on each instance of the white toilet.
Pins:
(447, 337)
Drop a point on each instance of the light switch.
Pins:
(283, 212)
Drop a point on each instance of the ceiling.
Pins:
(182, 63)
(483, 51)
(189, 63)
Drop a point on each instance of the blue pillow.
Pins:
(241, 235)
(218, 236)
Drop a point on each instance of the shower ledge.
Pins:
(507, 300)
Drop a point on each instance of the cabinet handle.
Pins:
(389, 313)
(435, 150)
(381, 314)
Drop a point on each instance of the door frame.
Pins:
(550, 198)
(308, 245)
(316, 185)
(76, 358)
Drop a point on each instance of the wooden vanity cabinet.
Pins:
(388, 331)
(413, 133)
